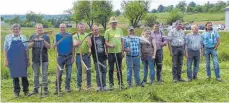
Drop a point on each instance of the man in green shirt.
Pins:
(115, 51)
(82, 46)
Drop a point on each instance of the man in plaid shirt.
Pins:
(132, 49)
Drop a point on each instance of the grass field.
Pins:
(196, 91)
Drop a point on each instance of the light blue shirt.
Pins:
(193, 41)
(9, 38)
(210, 38)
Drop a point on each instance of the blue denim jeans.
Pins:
(67, 63)
(87, 61)
(149, 63)
(196, 60)
(133, 63)
(212, 53)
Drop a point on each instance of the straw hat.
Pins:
(113, 20)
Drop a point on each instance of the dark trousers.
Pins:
(177, 60)
(111, 61)
(100, 73)
(25, 84)
(158, 63)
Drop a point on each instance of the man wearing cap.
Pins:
(161, 41)
(176, 39)
(115, 51)
(132, 49)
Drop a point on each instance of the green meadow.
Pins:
(196, 91)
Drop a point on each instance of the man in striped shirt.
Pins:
(192, 52)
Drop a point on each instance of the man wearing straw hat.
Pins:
(115, 51)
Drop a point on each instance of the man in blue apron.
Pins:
(17, 59)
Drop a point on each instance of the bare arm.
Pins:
(5, 55)
(6, 59)
(89, 42)
(186, 51)
(164, 40)
(47, 45)
(122, 45)
(155, 47)
(108, 44)
(30, 45)
(170, 48)
(217, 44)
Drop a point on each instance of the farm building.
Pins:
(227, 18)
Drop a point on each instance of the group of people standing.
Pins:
(112, 47)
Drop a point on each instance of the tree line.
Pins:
(194, 7)
(99, 12)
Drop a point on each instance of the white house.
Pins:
(227, 18)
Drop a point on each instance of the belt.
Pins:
(210, 48)
(65, 55)
(131, 56)
(82, 54)
(177, 46)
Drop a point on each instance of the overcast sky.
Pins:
(58, 6)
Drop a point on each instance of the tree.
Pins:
(174, 15)
(198, 8)
(135, 11)
(160, 8)
(2, 19)
(168, 8)
(34, 18)
(102, 11)
(14, 20)
(182, 6)
(192, 4)
(219, 6)
(57, 21)
(150, 20)
(82, 12)
(154, 11)
(117, 12)
(206, 7)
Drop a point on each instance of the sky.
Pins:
(58, 6)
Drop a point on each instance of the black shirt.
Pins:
(36, 50)
(100, 48)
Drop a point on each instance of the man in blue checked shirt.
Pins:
(132, 49)
(211, 41)
(193, 46)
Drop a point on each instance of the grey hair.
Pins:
(15, 26)
(39, 24)
(178, 22)
(193, 26)
(63, 24)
